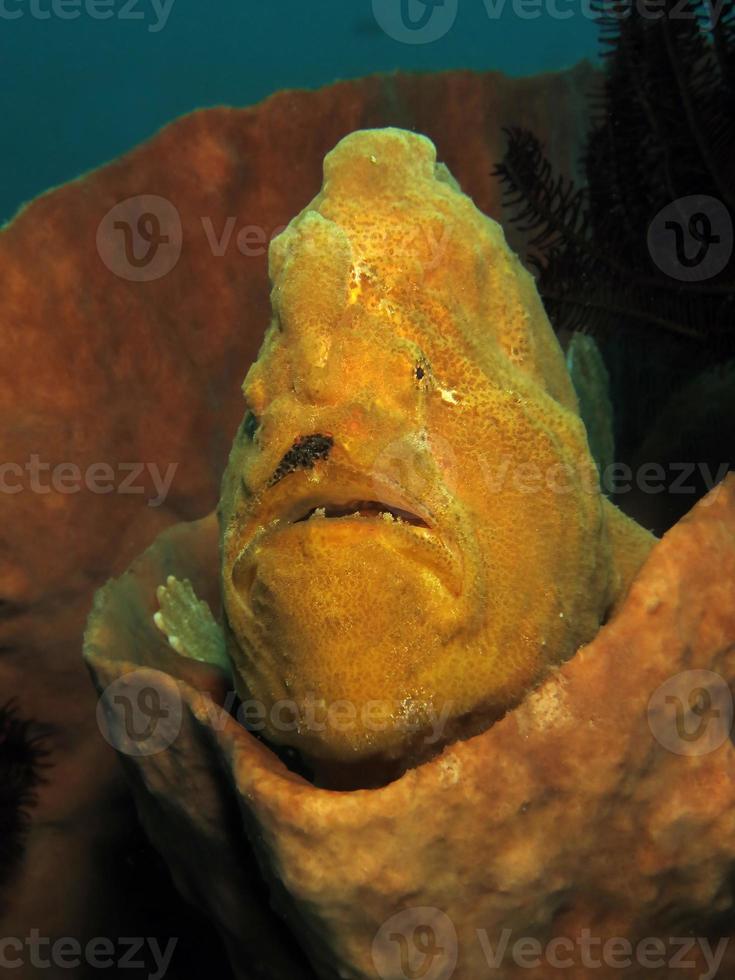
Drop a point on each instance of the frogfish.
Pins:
(412, 528)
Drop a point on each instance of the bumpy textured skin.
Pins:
(406, 330)
(584, 808)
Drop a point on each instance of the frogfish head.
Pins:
(412, 530)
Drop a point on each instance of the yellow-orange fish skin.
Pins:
(406, 332)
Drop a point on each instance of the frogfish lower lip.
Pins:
(361, 508)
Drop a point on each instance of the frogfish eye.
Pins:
(421, 372)
(250, 424)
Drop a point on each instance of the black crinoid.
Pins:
(643, 256)
(23, 757)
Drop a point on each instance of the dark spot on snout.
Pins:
(302, 455)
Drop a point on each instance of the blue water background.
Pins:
(79, 92)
